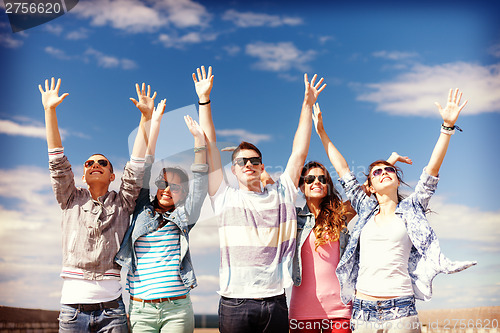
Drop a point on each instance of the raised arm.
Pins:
(200, 156)
(203, 84)
(338, 161)
(146, 106)
(50, 100)
(155, 127)
(302, 137)
(450, 115)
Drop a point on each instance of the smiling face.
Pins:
(249, 174)
(315, 190)
(383, 178)
(172, 194)
(94, 172)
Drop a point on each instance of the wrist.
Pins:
(202, 101)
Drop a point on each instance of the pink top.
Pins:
(318, 296)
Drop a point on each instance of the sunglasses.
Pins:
(89, 163)
(309, 179)
(378, 172)
(242, 161)
(163, 184)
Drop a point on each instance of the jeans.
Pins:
(246, 315)
(391, 315)
(99, 321)
(174, 316)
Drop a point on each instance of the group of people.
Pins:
(366, 280)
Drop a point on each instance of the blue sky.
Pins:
(385, 65)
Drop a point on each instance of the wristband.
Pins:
(205, 103)
(201, 148)
(449, 130)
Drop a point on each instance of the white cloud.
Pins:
(107, 61)
(280, 56)
(250, 19)
(460, 222)
(395, 55)
(244, 135)
(324, 39)
(79, 34)
(57, 53)
(173, 40)
(495, 50)
(6, 40)
(55, 29)
(135, 16)
(11, 128)
(414, 92)
(232, 50)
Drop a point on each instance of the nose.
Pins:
(248, 164)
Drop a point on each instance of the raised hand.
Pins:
(452, 110)
(317, 118)
(158, 111)
(146, 103)
(50, 97)
(203, 83)
(312, 90)
(395, 157)
(195, 128)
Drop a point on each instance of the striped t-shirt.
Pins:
(257, 239)
(158, 259)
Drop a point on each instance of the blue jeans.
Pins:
(385, 316)
(99, 321)
(246, 315)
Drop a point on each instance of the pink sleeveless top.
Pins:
(318, 296)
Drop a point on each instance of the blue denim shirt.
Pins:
(146, 220)
(305, 224)
(426, 259)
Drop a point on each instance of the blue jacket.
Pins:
(146, 220)
(305, 224)
(426, 259)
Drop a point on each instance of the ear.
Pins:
(371, 189)
(112, 177)
(232, 170)
(83, 178)
(262, 168)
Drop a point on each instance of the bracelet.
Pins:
(205, 103)
(449, 130)
(201, 148)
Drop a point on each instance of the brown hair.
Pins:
(332, 215)
(245, 146)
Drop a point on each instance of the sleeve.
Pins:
(354, 192)
(197, 192)
(144, 194)
(218, 199)
(425, 188)
(131, 185)
(62, 179)
(291, 191)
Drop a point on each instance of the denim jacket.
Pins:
(146, 220)
(305, 224)
(426, 259)
(93, 229)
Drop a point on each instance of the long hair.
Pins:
(184, 184)
(332, 215)
(399, 175)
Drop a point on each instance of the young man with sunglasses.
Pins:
(94, 221)
(257, 227)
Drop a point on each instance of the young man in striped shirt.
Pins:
(94, 221)
(257, 227)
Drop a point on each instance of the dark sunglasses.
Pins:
(242, 161)
(378, 172)
(309, 179)
(89, 163)
(163, 184)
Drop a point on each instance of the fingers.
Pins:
(323, 87)
(58, 85)
(194, 78)
(210, 72)
(450, 94)
(41, 89)
(203, 73)
(46, 85)
(154, 95)
(52, 84)
(149, 90)
(463, 105)
(137, 89)
(134, 101)
(438, 105)
(199, 74)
